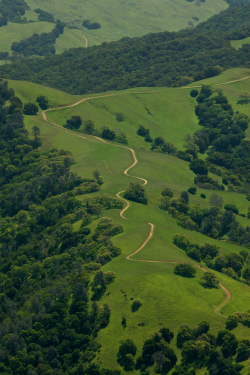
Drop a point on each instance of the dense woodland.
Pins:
(161, 59)
(49, 314)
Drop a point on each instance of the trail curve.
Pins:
(228, 294)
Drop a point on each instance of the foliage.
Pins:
(136, 193)
(74, 123)
(125, 356)
(185, 270)
(199, 166)
(209, 280)
(45, 264)
(132, 63)
(167, 193)
(30, 109)
(44, 16)
(136, 304)
(42, 101)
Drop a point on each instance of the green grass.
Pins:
(14, 32)
(136, 18)
(239, 43)
(167, 299)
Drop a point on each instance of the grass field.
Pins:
(239, 43)
(134, 18)
(167, 299)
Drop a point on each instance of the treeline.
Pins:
(222, 136)
(214, 222)
(88, 127)
(161, 59)
(41, 45)
(12, 10)
(220, 353)
(50, 277)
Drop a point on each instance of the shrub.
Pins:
(120, 117)
(194, 254)
(142, 131)
(167, 193)
(30, 109)
(148, 138)
(42, 101)
(209, 280)
(185, 270)
(181, 241)
(74, 123)
(199, 166)
(194, 93)
(136, 305)
(192, 190)
(136, 193)
(231, 322)
(231, 207)
(203, 196)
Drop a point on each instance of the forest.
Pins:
(160, 59)
(46, 264)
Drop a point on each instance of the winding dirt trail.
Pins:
(44, 116)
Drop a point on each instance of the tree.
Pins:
(89, 127)
(60, 27)
(42, 101)
(185, 270)
(206, 90)
(120, 117)
(136, 193)
(136, 305)
(216, 200)
(184, 196)
(36, 131)
(231, 207)
(209, 280)
(194, 93)
(127, 350)
(199, 166)
(181, 241)
(245, 95)
(167, 193)
(74, 123)
(231, 322)
(108, 133)
(30, 109)
(142, 131)
(167, 335)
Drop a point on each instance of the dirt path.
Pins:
(228, 294)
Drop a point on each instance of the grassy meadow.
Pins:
(239, 43)
(167, 299)
(119, 19)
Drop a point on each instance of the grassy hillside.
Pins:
(136, 18)
(14, 32)
(167, 299)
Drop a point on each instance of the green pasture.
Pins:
(135, 18)
(14, 32)
(239, 43)
(167, 299)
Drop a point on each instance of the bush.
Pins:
(107, 133)
(136, 193)
(181, 241)
(192, 190)
(231, 322)
(209, 280)
(199, 166)
(136, 305)
(142, 131)
(74, 123)
(185, 270)
(120, 117)
(30, 109)
(194, 254)
(203, 196)
(231, 207)
(148, 138)
(167, 193)
(194, 93)
(42, 101)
